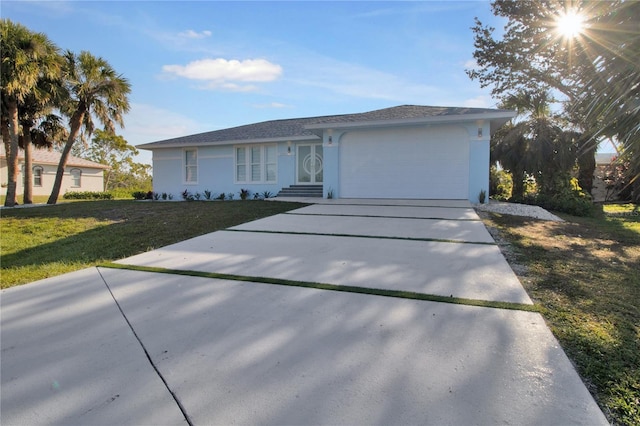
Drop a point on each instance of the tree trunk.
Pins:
(586, 164)
(12, 152)
(27, 197)
(76, 122)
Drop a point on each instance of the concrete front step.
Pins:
(301, 191)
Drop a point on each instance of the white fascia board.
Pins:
(498, 115)
(160, 145)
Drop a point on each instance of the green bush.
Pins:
(139, 195)
(500, 184)
(88, 195)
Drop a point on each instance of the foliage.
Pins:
(482, 196)
(330, 194)
(27, 59)
(596, 72)
(207, 194)
(87, 195)
(139, 195)
(267, 194)
(500, 184)
(230, 196)
(187, 196)
(244, 194)
(221, 197)
(93, 89)
(114, 151)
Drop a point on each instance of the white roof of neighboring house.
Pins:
(44, 156)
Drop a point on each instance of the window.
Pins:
(37, 176)
(256, 163)
(191, 165)
(76, 176)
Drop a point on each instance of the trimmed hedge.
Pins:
(88, 195)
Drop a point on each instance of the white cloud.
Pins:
(272, 105)
(225, 74)
(194, 34)
(470, 64)
(482, 101)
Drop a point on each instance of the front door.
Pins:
(309, 164)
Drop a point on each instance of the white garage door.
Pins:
(425, 163)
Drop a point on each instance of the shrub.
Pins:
(207, 194)
(221, 196)
(482, 196)
(186, 195)
(139, 195)
(500, 184)
(88, 195)
(267, 194)
(230, 196)
(244, 194)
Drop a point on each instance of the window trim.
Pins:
(36, 175)
(248, 164)
(73, 178)
(185, 165)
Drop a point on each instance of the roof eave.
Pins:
(158, 145)
(496, 117)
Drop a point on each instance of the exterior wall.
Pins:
(216, 171)
(479, 161)
(90, 180)
(216, 164)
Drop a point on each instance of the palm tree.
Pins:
(26, 58)
(535, 145)
(93, 88)
(39, 126)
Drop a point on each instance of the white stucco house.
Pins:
(79, 175)
(408, 151)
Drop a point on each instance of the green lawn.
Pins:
(585, 275)
(40, 242)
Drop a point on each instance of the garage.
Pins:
(426, 162)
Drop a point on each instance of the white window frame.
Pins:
(36, 175)
(76, 178)
(185, 166)
(248, 164)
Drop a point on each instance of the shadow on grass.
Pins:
(126, 228)
(584, 273)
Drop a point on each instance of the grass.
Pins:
(585, 275)
(41, 242)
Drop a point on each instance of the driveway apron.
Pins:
(243, 351)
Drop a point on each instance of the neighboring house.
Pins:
(79, 175)
(414, 152)
(605, 169)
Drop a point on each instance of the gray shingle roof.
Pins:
(295, 128)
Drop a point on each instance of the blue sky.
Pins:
(204, 65)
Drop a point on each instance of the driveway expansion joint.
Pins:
(332, 287)
(155, 368)
(375, 237)
(293, 213)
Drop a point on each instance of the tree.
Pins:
(114, 151)
(93, 88)
(535, 144)
(39, 127)
(611, 95)
(594, 69)
(26, 58)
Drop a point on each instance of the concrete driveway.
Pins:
(122, 346)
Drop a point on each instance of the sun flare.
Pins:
(570, 24)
